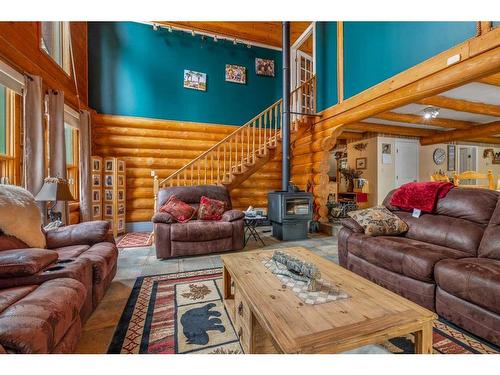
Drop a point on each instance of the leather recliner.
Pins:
(448, 261)
(196, 237)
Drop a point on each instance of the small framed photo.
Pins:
(108, 180)
(96, 165)
(109, 165)
(361, 163)
(108, 195)
(108, 210)
(96, 180)
(121, 195)
(121, 225)
(195, 80)
(96, 209)
(110, 224)
(121, 166)
(386, 148)
(236, 74)
(121, 209)
(121, 180)
(96, 196)
(264, 67)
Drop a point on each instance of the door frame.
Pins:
(311, 30)
(405, 140)
(476, 151)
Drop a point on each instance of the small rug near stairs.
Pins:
(135, 239)
(184, 313)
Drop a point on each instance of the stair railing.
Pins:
(240, 149)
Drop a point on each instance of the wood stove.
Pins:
(289, 213)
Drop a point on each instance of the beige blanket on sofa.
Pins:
(20, 216)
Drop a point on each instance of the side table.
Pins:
(251, 223)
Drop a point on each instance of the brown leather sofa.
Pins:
(448, 261)
(196, 237)
(80, 257)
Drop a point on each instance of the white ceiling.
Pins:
(417, 109)
(475, 92)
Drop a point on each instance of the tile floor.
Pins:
(135, 262)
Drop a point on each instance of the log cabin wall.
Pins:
(165, 146)
(20, 48)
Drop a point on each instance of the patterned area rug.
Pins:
(136, 239)
(184, 313)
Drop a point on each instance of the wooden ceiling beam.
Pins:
(350, 135)
(389, 129)
(414, 119)
(491, 128)
(461, 105)
(491, 80)
(494, 140)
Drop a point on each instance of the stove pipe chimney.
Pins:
(285, 123)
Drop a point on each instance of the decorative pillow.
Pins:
(211, 209)
(180, 211)
(379, 221)
(20, 217)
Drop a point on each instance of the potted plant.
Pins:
(350, 174)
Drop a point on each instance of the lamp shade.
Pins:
(54, 189)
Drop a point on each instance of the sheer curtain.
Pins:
(85, 151)
(57, 144)
(34, 145)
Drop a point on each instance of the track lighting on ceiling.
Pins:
(193, 33)
(215, 38)
(430, 113)
(249, 46)
(234, 41)
(169, 28)
(156, 27)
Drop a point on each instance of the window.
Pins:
(54, 40)
(72, 150)
(10, 136)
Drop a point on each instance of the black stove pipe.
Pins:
(285, 123)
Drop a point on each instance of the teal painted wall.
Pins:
(496, 23)
(136, 71)
(2, 120)
(375, 51)
(326, 64)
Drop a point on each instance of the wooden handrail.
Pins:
(239, 150)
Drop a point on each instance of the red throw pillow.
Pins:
(211, 209)
(180, 211)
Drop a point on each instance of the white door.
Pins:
(406, 161)
(304, 70)
(467, 161)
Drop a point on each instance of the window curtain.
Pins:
(85, 179)
(34, 145)
(57, 141)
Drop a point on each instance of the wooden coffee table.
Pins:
(269, 318)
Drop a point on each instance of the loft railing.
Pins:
(239, 150)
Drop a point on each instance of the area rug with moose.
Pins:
(184, 313)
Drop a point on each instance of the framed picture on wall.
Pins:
(451, 158)
(108, 180)
(121, 209)
(121, 180)
(109, 166)
(121, 224)
(96, 195)
(96, 180)
(121, 166)
(108, 210)
(121, 195)
(96, 166)
(96, 209)
(195, 80)
(360, 163)
(108, 195)
(236, 74)
(264, 67)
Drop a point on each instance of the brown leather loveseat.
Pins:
(196, 237)
(448, 261)
(46, 294)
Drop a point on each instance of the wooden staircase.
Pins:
(243, 152)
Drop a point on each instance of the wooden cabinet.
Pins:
(108, 192)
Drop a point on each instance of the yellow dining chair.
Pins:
(473, 175)
(440, 177)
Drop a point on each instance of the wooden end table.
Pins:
(270, 318)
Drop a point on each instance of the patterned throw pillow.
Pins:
(180, 211)
(379, 221)
(211, 209)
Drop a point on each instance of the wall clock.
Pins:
(439, 155)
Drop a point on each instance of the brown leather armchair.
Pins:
(448, 261)
(197, 237)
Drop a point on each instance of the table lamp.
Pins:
(53, 190)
